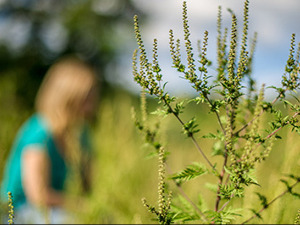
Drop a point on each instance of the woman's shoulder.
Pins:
(34, 129)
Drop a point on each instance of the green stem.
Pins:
(218, 116)
(193, 138)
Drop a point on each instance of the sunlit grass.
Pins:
(123, 174)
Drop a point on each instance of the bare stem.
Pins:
(202, 153)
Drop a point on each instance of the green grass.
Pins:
(123, 175)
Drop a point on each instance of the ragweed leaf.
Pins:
(160, 112)
(256, 213)
(224, 216)
(192, 171)
(179, 108)
(210, 135)
(190, 127)
(184, 211)
(293, 177)
(262, 199)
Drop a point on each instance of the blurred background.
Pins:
(35, 33)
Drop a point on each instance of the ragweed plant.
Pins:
(238, 109)
(297, 219)
(162, 212)
(11, 209)
(163, 215)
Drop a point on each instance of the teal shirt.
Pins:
(34, 132)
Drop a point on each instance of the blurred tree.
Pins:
(34, 33)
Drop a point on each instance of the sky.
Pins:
(273, 20)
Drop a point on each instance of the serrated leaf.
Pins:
(262, 199)
(228, 171)
(159, 112)
(151, 155)
(286, 102)
(190, 127)
(297, 99)
(179, 107)
(192, 171)
(293, 177)
(295, 194)
(252, 178)
(225, 216)
(198, 100)
(257, 214)
(226, 191)
(278, 137)
(285, 182)
(210, 135)
(164, 86)
(184, 211)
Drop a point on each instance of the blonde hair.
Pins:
(63, 91)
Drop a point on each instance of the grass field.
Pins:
(123, 173)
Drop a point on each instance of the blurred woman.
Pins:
(36, 169)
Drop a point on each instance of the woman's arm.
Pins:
(36, 178)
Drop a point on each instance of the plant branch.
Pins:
(217, 114)
(255, 117)
(226, 203)
(278, 129)
(191, 136)
(191, 202)
(271, 202)
(187, 197)
(202, 153)
(273, 133)
(221, 177)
